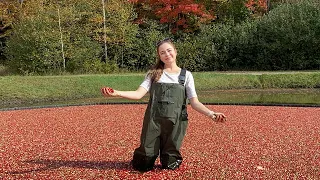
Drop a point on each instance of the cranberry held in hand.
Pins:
(107, 90)
(110, 90)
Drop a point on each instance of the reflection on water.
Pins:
(276, 96)
(250, 96)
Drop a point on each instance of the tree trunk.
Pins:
(104, 31)
(61, 40)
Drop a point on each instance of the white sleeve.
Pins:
(146, 84)
(190, 87)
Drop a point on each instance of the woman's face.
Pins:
(167, 53)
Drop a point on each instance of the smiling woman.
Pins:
(166, 117)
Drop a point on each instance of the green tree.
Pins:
(82, 52)
(120, 31)
(143, 54)
(9, 11)
(35, 45)
(32, 48)
(123, 32)
(289, 37)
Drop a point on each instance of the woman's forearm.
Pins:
(129, 95)
(198, 106)
(136, 95)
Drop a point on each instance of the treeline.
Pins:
(79, 36)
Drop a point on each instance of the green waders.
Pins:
(164, 127)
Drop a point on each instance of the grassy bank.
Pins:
(20, 89)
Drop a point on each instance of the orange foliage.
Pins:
(179, 14)
(257, 6)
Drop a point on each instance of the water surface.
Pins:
(303, 97)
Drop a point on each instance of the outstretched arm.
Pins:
(198, 106)
(136, 95)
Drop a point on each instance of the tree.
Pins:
(185, 15)
(119, 31)
(258, 7)
(35, 46)
(32, 46)
(8, 15)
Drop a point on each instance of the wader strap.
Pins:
(182, 77)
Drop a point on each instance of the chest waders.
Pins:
(164, 126)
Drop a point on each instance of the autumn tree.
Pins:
(8, 15)
(119, 30)
(258, 7)
(186, 15)
(30, 48)
(35, 45)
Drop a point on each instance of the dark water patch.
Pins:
(275, 96)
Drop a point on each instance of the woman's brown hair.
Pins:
(156, 70)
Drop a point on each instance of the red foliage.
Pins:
(257, 6)
(178, 13)
(181, 14)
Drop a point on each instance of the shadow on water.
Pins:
(306, 97)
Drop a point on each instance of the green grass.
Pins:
(20, 89)
(209, 81)
(306, 80)
(62, 87)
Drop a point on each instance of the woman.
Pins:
(166, 117)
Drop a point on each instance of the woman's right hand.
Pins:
(107, 91)
(218, 117)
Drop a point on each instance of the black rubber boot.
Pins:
(143, 163)
(170, 162)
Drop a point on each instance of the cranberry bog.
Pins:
(97, 142)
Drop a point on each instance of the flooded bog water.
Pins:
(248, 96)
(270, 96)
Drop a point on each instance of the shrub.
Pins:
(289, 37)
(32, 49)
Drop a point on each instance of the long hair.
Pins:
(156, 70)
